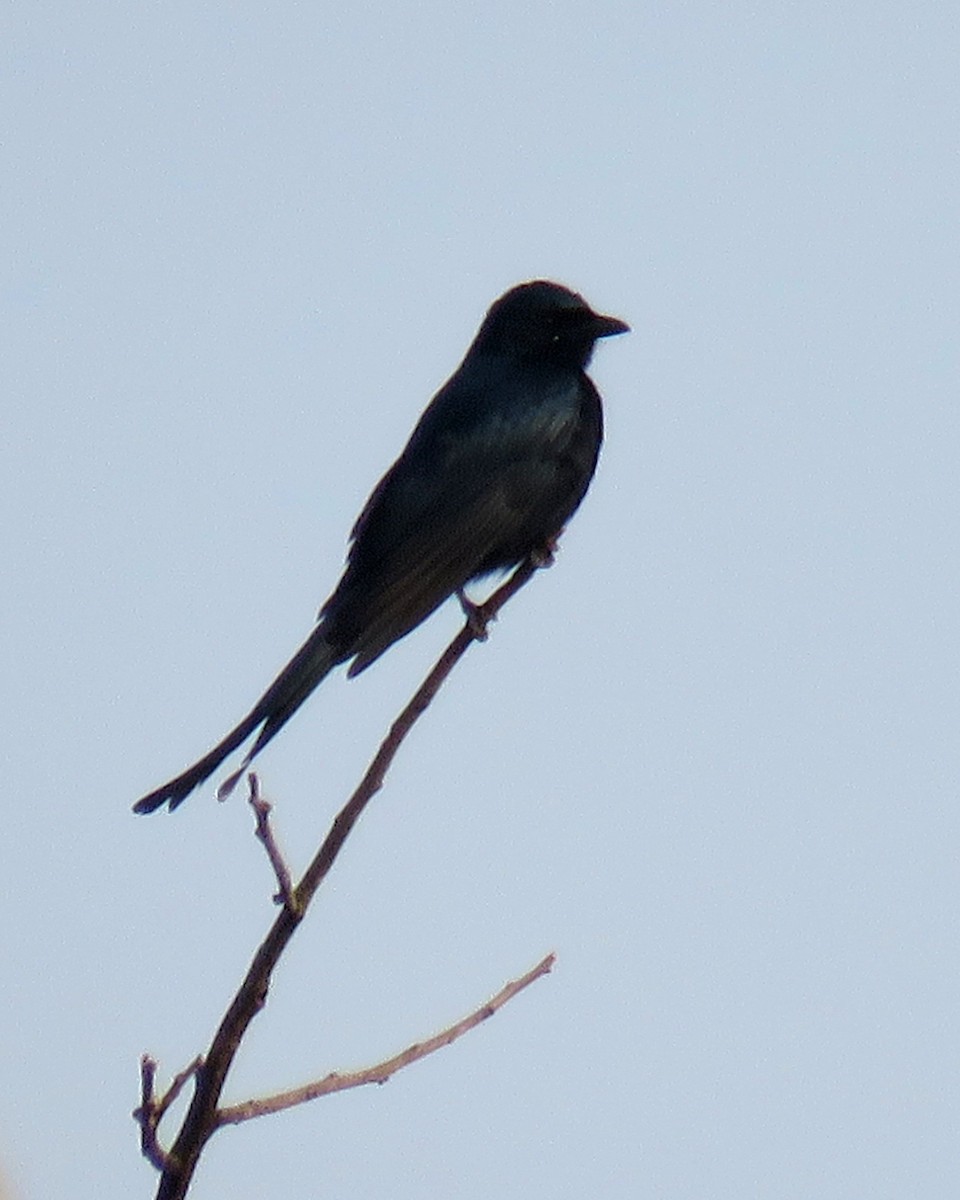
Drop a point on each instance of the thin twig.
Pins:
(200, 1123)
(151, 1111)
(381, 1072)
(264, 832)
(146, 1115)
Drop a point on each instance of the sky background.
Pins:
(711, 758)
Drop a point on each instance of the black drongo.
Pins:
(498, 462)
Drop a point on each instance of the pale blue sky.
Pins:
(710, 758)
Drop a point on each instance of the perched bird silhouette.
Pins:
(497, 464)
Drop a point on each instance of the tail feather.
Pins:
(176, 790)
(312, 662)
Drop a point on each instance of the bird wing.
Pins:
(428, 563)
(482, 475)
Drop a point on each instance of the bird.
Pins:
(495, 467)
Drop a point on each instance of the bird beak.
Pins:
(608, 326)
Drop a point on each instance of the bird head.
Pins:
(546, 322)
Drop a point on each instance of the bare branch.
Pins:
(201, 1121)
(381, 1072)
(264, 832)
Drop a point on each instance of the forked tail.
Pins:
(308, 667)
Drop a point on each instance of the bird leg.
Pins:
(476, 620)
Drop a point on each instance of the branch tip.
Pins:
(380, 1073)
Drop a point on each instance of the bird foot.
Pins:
(544, 555)
(477, 620)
